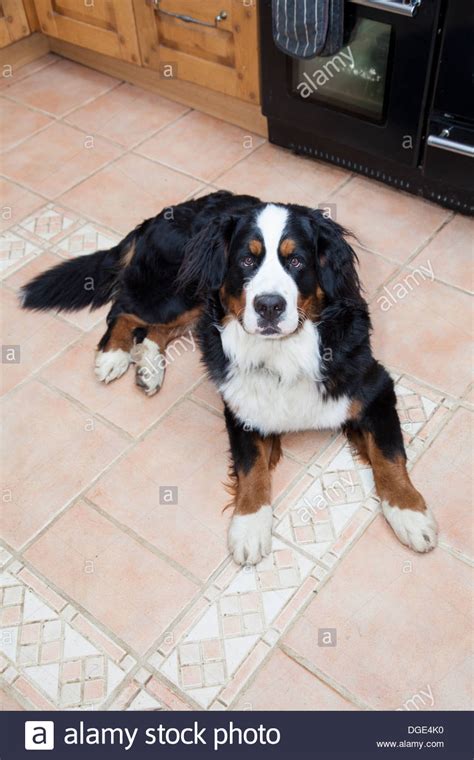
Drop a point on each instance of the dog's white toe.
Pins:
(250, 536)
(150, 368)
(110, 365)
(414, 528)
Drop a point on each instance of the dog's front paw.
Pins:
(110, 365)
(250, 536)
(414, 528)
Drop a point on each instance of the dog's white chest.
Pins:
(274, 385)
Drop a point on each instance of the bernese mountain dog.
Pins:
(273, 293)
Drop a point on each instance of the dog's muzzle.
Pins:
(270, 308)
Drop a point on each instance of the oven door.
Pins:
(371, 96)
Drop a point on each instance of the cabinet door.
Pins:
(13, 22)
(107, 26)
(216, 48)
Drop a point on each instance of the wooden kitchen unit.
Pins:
(203, 53)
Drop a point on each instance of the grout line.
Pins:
(20, 78)
(34, 133)
(79, 496)
(456, 553)
(19, 557)
(124, 528)
(59, 117)
(171, 123)
(324, 678)
(343, 183)
(128, 437)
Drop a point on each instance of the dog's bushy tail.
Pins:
(84, 281)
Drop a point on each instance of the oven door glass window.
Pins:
(354, 79)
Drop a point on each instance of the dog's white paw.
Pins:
(414, 528)
(109, 365)
(150, 369)
(250, 536)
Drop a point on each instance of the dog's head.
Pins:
(274, 266)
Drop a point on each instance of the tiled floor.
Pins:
(112, 596)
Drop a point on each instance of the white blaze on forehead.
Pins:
(271, 276)
(271, 223)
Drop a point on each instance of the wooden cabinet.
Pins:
(106, 26)
(13, 22)
(216, 47)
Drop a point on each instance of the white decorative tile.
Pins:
(14, 249)
(207, 655)
(47, 649)
(49, 224)
(87, 239)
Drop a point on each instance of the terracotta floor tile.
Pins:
(384, 593)
(186, 451)
(444, 476)
(126, 114)
(57, 158)
(8, 702)
(306, 445)
(58, 461)
(121, 402)
(21, 72)
(208, 393)
(469, 397)
(451, 253)
(133, 189)
(385, 220)
(200, 145)
(59, 91)
(15, 203)
(283, 684)
(36, 338)
(125, 586)
(456, 690)
(275, 174)
(373, 271)
(18, 123)
(426, 333)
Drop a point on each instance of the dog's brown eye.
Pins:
(295, 262)
(248, 261)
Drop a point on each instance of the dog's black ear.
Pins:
(205, 256)
(336, 259)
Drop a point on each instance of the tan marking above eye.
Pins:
(255, 247)
(287, 247)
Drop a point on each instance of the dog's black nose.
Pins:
(269, 306)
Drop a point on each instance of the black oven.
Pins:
(369, 107)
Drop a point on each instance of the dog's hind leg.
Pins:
(151, 355)
(114, 350)
(150, 361)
